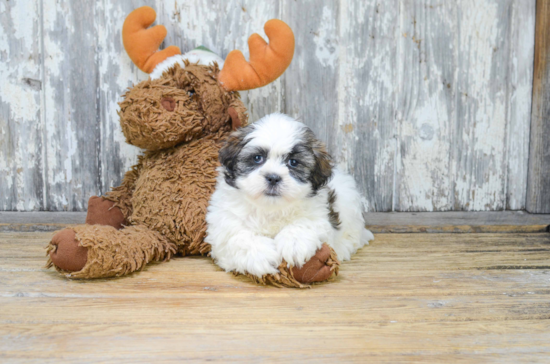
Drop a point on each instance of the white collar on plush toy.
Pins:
(201, 54)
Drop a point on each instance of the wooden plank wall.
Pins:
(538, 191)
(426, 102)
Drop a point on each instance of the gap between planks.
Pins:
(377, 222)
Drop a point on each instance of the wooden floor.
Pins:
(404, 298)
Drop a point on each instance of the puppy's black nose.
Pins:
(273, 179)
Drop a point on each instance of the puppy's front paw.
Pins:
(262, 258)
(296, 246)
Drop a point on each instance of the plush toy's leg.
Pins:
(321, 267)
(96, 251)
(104, 212)
(66, 253)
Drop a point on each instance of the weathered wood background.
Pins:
(538, 187)
(427, 103)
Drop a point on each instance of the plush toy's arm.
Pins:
(122, 195)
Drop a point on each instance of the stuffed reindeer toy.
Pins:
(180, 118)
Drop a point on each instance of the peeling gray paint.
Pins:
(426, 103)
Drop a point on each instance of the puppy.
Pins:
(278, 197)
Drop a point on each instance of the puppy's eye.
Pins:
(258, 159)
(292, 163)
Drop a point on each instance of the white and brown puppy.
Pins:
(278, 197)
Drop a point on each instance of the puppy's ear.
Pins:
(229, 154)
(322, 170)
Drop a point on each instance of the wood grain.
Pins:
(426, 105)
(538, 193)
(458, 122)
(21, 131)
(71, 81)
(520, 84)
(366, 124)
(404, 298)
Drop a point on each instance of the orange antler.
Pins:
(267, 61)
(141, 43)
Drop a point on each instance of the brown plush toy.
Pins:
(179, 117)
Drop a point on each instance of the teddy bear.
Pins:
(180, 117)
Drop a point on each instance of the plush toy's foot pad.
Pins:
(318, 269)
(66, 253)
(104, 212)
(321, 267)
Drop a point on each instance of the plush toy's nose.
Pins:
(168, 103)
(273, 179)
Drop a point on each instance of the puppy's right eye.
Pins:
(258, 159)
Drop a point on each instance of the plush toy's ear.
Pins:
(267, 61)
(236, 122)
(142, 43)
(237, 112)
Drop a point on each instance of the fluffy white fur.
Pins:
(199, 56)
(252, 232)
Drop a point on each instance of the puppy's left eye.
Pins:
(292, 163)
(258, 159)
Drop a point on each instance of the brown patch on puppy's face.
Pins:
(322, 169)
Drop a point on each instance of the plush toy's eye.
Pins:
(258, 159)
(292, 163)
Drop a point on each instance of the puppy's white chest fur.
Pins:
(270, 224)
(269, 221)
